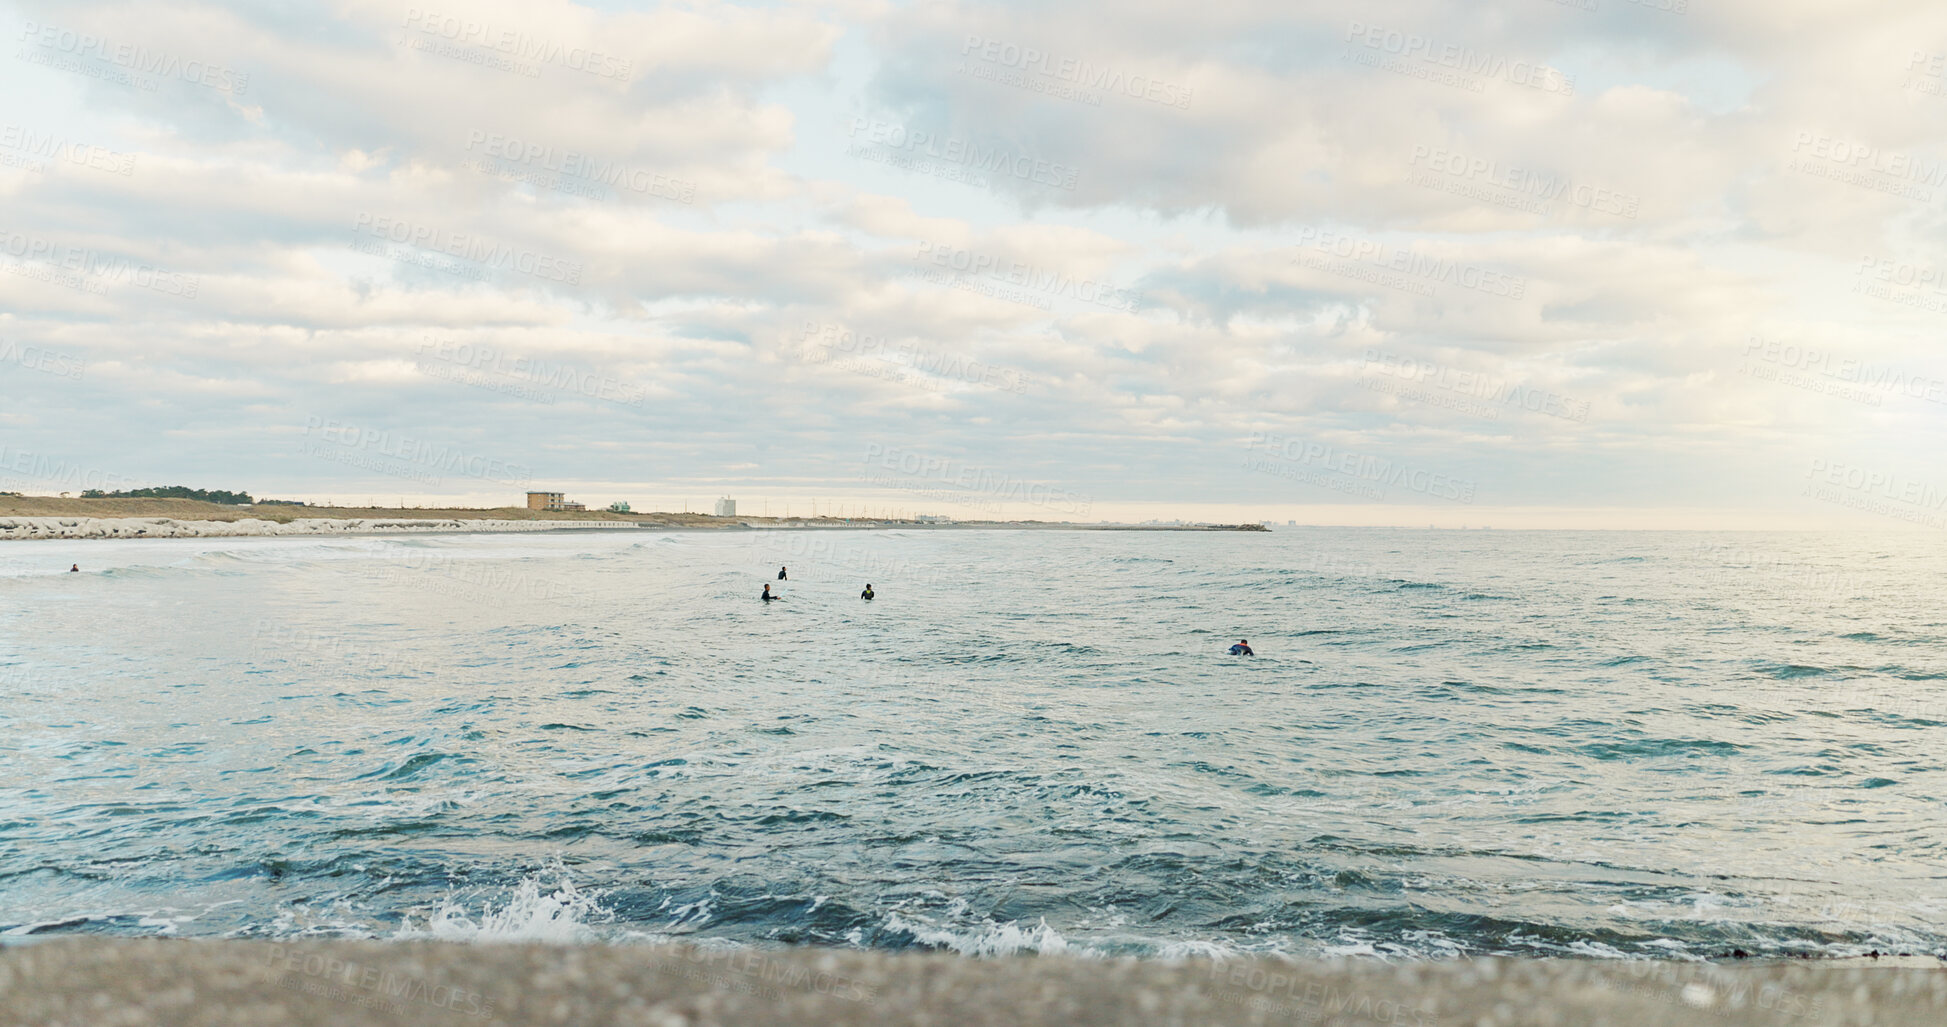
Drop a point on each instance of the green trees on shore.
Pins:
(175, 492)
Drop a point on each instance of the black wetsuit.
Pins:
(780, 574)
(768, 596)
(1241, 649)
(867, 594)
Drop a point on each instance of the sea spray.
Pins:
(563, 915)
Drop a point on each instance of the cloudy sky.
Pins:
(1674, 263)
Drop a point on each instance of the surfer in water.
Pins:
(780, 574)
(76, 569)
(768, 596)
(1242, 648)
(867, 594)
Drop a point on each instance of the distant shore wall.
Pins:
(22, 528)
(76, 981)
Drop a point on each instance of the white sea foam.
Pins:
(562, 915)
(1194, 949)
(991, 939)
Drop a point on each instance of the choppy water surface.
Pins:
(1451, 742)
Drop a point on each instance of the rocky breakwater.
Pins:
(21, 528)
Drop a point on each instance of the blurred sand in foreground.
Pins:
(120, 981)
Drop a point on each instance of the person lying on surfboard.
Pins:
(1242, 648)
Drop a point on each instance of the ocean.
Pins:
(1588, 744)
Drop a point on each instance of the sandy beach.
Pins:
(27, 528)
(25, 518)
(47, 517)
(237, 983)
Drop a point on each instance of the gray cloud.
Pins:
(712, 248)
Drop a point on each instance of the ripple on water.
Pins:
(1451, 743)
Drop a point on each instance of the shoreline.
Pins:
(83, 529)
(231, 982)
(71, 529)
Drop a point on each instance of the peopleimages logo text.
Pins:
(976, 264)
(1412, 263)
(100, 267)
(822, 340)
(38, 358)
(1884, 484)
(368, 985)
(974, 479)
(53, 147)
(1030, 60)
(351, 438)
(517, 44)
(491, 363)
(1883, 377)
(1526, 181)
(40, 468)
(138, 59)
(468, 247)
(1378, 470)
(1488, 388)
(992, 159)
(1852, 153)
(1410, 46)
(583, 166)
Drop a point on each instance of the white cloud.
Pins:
(1098, 246)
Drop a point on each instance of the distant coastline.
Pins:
(26, 518)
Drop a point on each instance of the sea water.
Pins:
(1541, 743)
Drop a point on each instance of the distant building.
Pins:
(932, 519)
(726, 507)
(1291, 524)
(619, 506)
(551, 501)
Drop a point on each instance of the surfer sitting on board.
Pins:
(867, 594)
(1242, 648)
(780, 574)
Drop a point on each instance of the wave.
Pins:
(404, 762)
(1654, 747)
(1791, 671)
(561, 915)
(988, 939)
